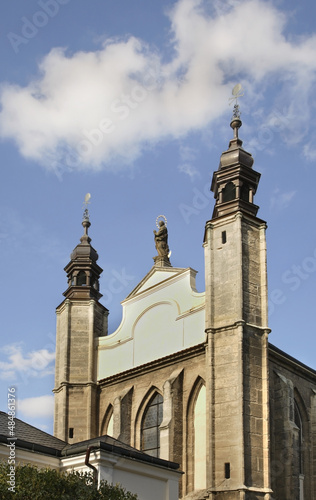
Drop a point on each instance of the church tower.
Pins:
(81, 319)
(237, 331)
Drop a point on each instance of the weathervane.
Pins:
(85, 206)
(236, 92)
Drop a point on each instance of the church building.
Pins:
(191, 377)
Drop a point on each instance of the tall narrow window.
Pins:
(200, 440)
(244, 192)
(298, 422)
(109, 431)
(229, 192)
(152, 419)
(81, 278)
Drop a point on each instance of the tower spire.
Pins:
(236, 319)
(83, 272)
(235, 182)
(81, 319)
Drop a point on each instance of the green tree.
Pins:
(32, 483)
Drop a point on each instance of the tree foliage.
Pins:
(32, 483)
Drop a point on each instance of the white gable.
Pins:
(164, 314)
(154, 277)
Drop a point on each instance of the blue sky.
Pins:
(129, 101)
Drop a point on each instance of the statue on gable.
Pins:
(161, 239)
(161, 242)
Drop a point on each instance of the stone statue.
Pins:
(161, 240)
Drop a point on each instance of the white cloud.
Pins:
(279, 200)
(89, 108)
(34, 364)
(309, 151)
(41, 406)
(189, 170)
(188, 157)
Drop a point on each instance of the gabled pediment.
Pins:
(155, 277)
(164, 314)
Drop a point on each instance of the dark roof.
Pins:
(307, 370)
(31, 438)
(108, 443)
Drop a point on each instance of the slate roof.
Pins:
(109, 444)
(31, 438)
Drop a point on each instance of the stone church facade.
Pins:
(190, 377)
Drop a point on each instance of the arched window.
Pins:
(150, 433)
(229, 192)
(109, 431)
(107, 425)
(196, 438)
(199, 420)
(81, 278)
(94, 283)
(244, 192)
(298, 423)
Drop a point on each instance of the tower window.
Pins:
(150, 426)
(244, 192)
(227, 470)
(229, 192)
(81, 278)
(71, 432)
(94, 283)
(224, 238)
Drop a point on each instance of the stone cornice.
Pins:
(290, 363)
(154, 365)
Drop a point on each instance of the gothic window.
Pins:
(81, 278)
(298, 423)
(200, 440)
(196, 438)
(229, 192)
(107, 425)
(150, 434)
(109, 431)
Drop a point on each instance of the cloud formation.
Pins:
(188, 157)
(281, 200)
(93, 110)
(34, 364)
(38, 407)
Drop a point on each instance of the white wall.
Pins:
(164, 314)
(148, 481)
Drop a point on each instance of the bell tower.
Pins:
(237, 331)
(81, 319)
